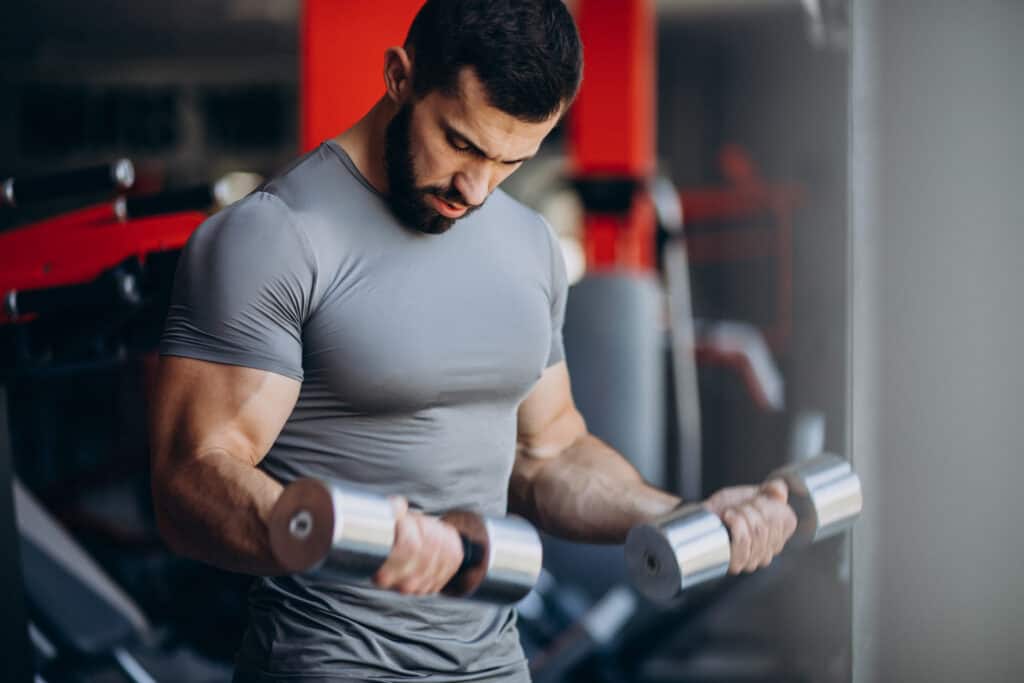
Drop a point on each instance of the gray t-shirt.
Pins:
(414, 352)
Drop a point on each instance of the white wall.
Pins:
(937, 165)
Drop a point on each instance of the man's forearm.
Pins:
(216, 509)
(588, 493)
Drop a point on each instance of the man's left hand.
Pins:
(759, 521)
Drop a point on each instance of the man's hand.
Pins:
(759, 522)
(426, 554)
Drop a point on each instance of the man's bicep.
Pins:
(199, 407)
(548, 421)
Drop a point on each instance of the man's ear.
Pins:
(398, 74)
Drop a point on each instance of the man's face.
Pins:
(445, 155)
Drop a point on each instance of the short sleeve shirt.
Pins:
(414, 352)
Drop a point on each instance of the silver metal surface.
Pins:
(684, 369)
(514, 560)
(8, 192)
(45, 649)
(826, 495)
(128, 288)
(121, 209)
(131, 667)
(333, 527)
(11, 303)
(807, 435)
(233, 186)
(363, 532)
(607, 617)
(123, 173)
(686, 547)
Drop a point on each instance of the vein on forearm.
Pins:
(587, 493)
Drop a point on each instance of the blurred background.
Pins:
(792, 226)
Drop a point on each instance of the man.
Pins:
(381, 314)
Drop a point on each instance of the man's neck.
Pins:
(365, 143)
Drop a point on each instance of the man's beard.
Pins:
(407, 201)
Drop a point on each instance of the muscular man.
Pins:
(380, 313)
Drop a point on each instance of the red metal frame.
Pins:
(748, 198)
(738, 363)
(341, 52)
(77, 247)
(612, 126)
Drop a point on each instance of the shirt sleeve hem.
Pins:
(244, 360)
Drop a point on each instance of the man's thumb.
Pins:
(399, 505)
(776, 489)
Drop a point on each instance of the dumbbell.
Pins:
(333, 528)
(690, 545)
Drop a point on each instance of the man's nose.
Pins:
(472, 184)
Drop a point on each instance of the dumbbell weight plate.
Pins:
(509, 563)
(825, 493)
(688, 546)
(334, 528)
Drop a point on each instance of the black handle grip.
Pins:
(198, 198)
(116, 176)
(116, 287)
(472, 555)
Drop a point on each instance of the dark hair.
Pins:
(527, 53)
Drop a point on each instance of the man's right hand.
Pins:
(426, 554)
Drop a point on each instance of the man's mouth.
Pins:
(446, 209)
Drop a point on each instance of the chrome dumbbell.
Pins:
(332, 527)
(690, 545)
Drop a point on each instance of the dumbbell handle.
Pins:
(691, 545)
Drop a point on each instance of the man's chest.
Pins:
(404, 334)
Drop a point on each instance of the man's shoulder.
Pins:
(321, 199)
(309, 180)
(246, 231)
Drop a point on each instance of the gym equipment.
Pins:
(691, 544)
(228, 189)
(682, 342)
(593, 631)
(115, 177)
(95, 257)
(330, 526)
(81, 610)
(743, 348)
(85, 257)
(615, 352)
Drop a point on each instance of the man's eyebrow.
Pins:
(452, 131)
